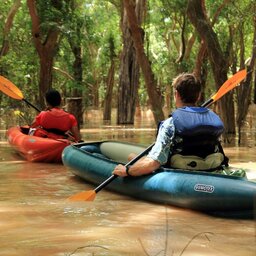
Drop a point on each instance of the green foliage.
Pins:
(94, 25)
(20, 64)
(52, 14)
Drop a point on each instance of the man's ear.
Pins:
(199, 97)
(178, 100)
(176, 94)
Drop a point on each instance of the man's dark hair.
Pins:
(188, 87)
(53, 97)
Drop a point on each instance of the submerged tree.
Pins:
(218, 59)
(129, 68)
(46, 17)
(110, 81)
(154, 93)
(74, 25)
(244, 91)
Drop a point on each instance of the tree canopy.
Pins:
(76, 46)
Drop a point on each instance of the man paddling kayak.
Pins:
(188, 139)
(54, 122)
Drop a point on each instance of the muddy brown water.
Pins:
(37, 219)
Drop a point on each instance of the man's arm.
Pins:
(143, 166)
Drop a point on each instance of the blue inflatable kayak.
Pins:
(197, 190)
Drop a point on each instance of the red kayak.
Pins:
(36, 149)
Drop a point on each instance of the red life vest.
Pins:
(54, 123)
(55, 119)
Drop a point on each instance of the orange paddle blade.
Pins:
(231, 83)
(84, 196)
(10, 89)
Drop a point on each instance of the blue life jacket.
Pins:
(192, 121)
(197, 132)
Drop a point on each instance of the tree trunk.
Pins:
(94, 91)
(75, 42)
(128, 83)
(154, 93)
(200, 69)
(45, 75)
(77, 70)
(7, 27)
(254, 90)
(182, 44)
(74, 105)
(109, 92)
(46, 49)
(244, 91)
(76, 91)
(219, 62)
(129, 77)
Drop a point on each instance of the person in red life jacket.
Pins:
(55, 122)
(188, 139)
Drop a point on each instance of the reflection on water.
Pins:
(37, 219)
(143, 136)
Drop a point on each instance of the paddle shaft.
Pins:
(207, 103)
(30, 104)
(112, 177)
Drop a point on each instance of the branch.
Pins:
(64, 73)
(7, 27)
(35, 24)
